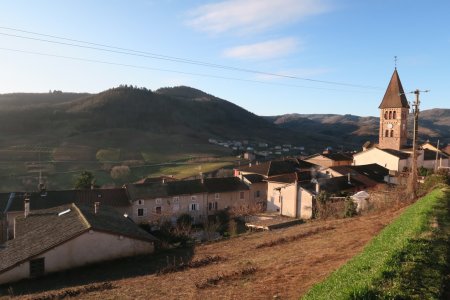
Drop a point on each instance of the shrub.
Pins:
(120, 172)
(184, 220)
(349, 208)
(232, 227)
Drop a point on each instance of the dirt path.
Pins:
(282, 264)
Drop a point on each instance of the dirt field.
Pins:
(282, 264)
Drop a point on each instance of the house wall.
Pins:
(321, 161)
(228, 199)
(305, 204)
(171, 208)
(90, 247)
(262, 188)
(430, 164)
(282, 197)
(379, 157)
(273, 196)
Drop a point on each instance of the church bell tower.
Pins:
(394, 110)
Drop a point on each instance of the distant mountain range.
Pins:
(127, 117)
(354, 130)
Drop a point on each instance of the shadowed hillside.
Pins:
(60, 134)
(433, 124)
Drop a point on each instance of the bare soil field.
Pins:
(280, 264)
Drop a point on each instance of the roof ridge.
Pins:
(268, 169)
(80, 213)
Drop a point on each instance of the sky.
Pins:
(270, 57)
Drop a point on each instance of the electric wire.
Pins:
(126, 51)
(174, 71)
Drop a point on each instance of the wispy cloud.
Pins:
(253, 15)
(263, 50)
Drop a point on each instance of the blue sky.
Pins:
(348, 42)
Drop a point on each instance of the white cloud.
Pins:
(263, 50)
(243, 16)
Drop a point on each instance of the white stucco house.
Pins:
(391, 159)
(68, 236)
(286, 196)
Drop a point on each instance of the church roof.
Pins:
(395, 95)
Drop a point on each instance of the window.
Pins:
(257, 194)
(280, 198)
(158, 210)
(392, 133)
(141, 212)
(385, 114)
(394, 115)
(140, 202)
(176, 199)
(37, 267)
(194, 207)
(212, 206)
(390, 115)
(158, 201)
(241, 195)
(217, 196)
(386, 133)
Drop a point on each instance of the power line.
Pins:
(174, 71)
(127, 51)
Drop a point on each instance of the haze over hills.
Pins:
(69, 132)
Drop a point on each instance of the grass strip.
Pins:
(407, 260)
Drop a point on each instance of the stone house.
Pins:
(69, 236)
(199, 198)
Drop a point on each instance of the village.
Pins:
(47, 231)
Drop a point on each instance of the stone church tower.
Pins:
(394, 110)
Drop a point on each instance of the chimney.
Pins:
(26, 204)
(317, 187)
(96, 207)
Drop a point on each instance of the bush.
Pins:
(432, 182)
(120, 172)
(185, 220)
(232, 227)
(223, 218)
(349, 208)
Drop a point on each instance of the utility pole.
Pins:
(412, 180)
(437, 155)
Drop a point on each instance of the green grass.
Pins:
(406, 260)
